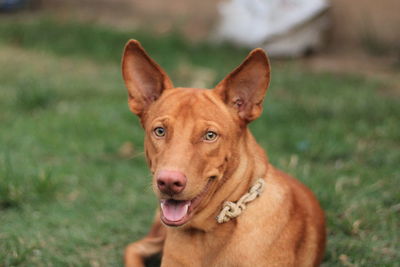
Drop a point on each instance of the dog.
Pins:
(221, 202)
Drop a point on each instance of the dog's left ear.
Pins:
(245, 87)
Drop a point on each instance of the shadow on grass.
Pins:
(17, 187)
(32, 95)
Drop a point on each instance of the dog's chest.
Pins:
(220, 249)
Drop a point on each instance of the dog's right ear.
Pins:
(144, 78)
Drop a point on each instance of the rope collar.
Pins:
(232, 210)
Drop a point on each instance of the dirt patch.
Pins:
(194, 18)
(355, 61)
(354, 21)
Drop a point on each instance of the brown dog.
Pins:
(221, 202)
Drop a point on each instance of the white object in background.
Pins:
(282, 27)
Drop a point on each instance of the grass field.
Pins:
(74, 187)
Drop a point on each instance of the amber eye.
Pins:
(159, 131)
(210, 136)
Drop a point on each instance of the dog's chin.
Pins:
(179, 212)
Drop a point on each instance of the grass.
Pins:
(74, 187)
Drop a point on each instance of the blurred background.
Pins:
(74, 187)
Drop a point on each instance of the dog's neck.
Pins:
(250, 166)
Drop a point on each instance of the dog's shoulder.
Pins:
(282, 197)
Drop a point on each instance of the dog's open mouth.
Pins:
(178, 212)
(175, 212)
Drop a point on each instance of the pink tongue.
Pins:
(174, 210)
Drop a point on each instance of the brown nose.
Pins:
(171, 182)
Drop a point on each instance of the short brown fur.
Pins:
(284, 227)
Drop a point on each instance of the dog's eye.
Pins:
(210, 136)
(159, 131)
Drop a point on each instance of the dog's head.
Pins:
(192, 135)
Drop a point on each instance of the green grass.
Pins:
(74, 188)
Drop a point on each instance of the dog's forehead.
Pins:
(190, 102)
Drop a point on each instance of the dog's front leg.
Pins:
(152, 244)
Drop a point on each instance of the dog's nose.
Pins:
(171, 182)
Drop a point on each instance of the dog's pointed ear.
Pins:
(245, 87)
(144, 78)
